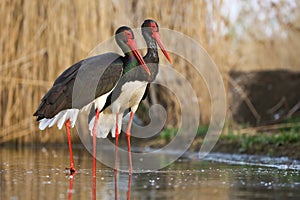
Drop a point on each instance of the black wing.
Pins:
(76, 87)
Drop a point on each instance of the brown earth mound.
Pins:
(264, 97)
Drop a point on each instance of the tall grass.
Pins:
(39, 39)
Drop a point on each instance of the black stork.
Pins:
(57, 106)
(130, 90)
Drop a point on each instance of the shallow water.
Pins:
(39, 173)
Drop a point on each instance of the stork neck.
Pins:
(130, 61)
(152, 52)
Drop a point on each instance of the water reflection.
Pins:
(116, 182)
(38, 173)
(129, 186)
(71, 191)
(94, 180)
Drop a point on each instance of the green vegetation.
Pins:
(261, 140)
(169, 133)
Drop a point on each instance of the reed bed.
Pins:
(39, 39)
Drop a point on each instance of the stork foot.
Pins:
(71, 170)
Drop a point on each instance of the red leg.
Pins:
(95, 141)
(94, 154)
(71, 168)
(117, 142)
(128, 141)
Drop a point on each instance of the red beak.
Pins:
(131, 43)
(156, 36)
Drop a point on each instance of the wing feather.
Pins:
(81, 77)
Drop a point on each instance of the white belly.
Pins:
(131, 95)
(98, 102)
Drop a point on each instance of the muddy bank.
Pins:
(288, 150)
(238, 145)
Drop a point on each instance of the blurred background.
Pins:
(254, 43)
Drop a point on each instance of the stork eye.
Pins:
(153, 26)
(128, 34)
